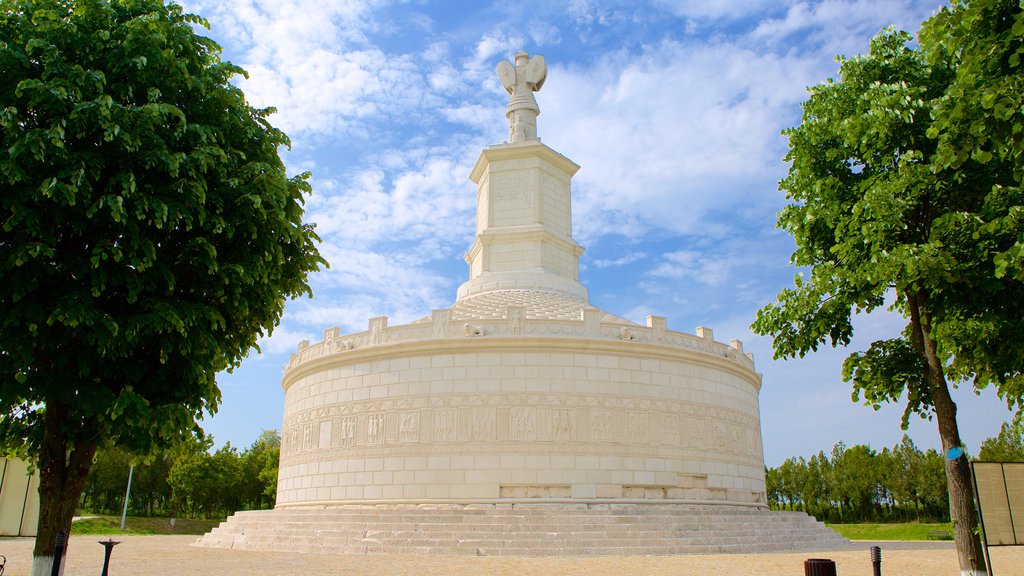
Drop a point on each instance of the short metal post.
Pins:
(819, 567)
(876, 560)
(58, 553)
(109, 545)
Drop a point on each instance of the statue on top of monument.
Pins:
(521, 82)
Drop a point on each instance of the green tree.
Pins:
(857, 471)
(107, 480)
(260, 462)
(817, 486)
(903, 477)
(773, 485)
(150, 491)
(791, 475)
(1008, 446)
(150, 234)
(982, 115)
(874, 217)
(932, 484)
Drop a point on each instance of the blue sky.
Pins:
(673, 108)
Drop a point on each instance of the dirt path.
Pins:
(173, 556)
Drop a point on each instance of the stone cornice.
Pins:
(532, 149)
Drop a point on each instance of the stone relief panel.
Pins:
(727, 437)
(638, 427)
(409, 426)
(670, 429)
(659, 325)
(696, 433)
(440, 320)
(515, 315)
(523, 424)
(483, 424)
(286, 440)
(377, 326)
(562, 424)
(509, 422)
(445, 425)
(601, 425)
(344, 432)
(737, 439)
(375, 432)
(310, 436)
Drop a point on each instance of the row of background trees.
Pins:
(188, 480)
(858, 484)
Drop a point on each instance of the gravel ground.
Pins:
(174, 556)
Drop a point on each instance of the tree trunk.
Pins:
(958, 476)
(961, 496)
(62, 474)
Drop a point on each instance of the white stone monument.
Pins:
(521, 400)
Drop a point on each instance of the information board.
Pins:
(1000, 490)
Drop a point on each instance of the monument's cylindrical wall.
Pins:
(492, 419)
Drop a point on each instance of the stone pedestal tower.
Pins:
(523, 223)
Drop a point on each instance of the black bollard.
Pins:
(819, 567)
(876, 560)
(58, 553)
(109, 545)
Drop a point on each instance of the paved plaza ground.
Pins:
(174, 556)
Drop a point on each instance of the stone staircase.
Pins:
(529, 529)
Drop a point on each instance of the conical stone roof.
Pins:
(535, 305)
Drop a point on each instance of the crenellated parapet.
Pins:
(442, 325)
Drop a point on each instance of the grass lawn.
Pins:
(909, 531)
(111, 525)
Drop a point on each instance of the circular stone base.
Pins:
(535, 529)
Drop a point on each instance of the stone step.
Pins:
(506, 518)
(541, 533)
(515, 522)
(521, 530)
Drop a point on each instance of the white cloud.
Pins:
(705, 267)
(285, 340)
(676, 134)
(843, 26)
(313, 62)
(621, 261)
(420, 197)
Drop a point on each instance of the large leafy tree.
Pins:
(880, 219)
(149, 234)
(982, 115)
